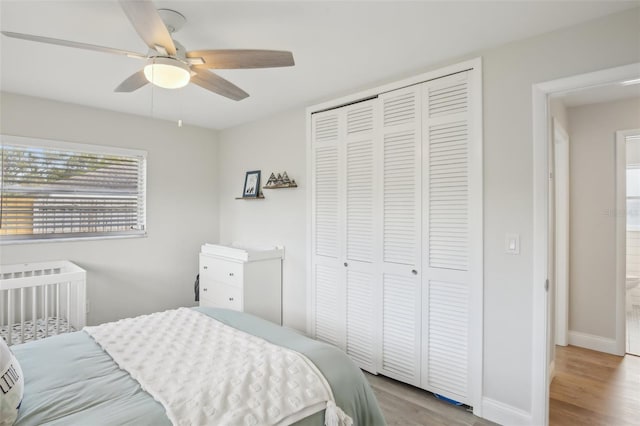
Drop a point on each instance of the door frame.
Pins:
(621, 238)
(561, 179)
(540, 305)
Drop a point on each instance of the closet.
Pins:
(396, 232)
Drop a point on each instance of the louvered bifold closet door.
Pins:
(327, 272)
(362, 246)
(446, 229)
(400, 233)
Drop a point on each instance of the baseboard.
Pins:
(505, 414)
(552, 370)
(593, 342)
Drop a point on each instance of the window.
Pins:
(58, 190)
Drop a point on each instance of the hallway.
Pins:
(594, 388)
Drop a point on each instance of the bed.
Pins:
(70, 379)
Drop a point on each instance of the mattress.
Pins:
(32, 330)
(69, 379)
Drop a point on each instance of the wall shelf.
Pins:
(279, 187)
(259, 197)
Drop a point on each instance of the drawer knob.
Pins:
(346, 264)
(414, 272)
(230, 274)
(204, 289)
(231, 299)
(205, 267)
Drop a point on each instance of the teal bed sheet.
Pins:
(70, 380)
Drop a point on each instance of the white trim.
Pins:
(505, 414)
(140, 234)
(561, 180)
(591, 79)
(375, 91)
(539, 384)
(476, 255)
(72, 146)
(593, 342)
(311, 312)
(621, 238)
(540, 314)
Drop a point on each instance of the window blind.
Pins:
(58, 190)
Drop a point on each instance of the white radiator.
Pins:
(38, 300)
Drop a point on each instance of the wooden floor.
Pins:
(404, 405)
(589, 388)
(594, 388)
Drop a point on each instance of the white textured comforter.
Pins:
(205, 372)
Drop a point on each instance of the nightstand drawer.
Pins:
(220, 295)
(221, 270)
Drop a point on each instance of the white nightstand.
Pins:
(243, 279)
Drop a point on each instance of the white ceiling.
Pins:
(338, 47)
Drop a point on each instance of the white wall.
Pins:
(592, 307)
(273, 145)
(128, 277)
(509, 73)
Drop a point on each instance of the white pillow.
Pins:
(11, 385)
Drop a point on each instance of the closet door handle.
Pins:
(231, 299)
(346, 264)
(205, 267)
(230, 274)
(414, 272)
(204, 289)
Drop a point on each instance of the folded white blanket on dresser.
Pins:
(205, 372)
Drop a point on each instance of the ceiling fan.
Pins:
(169, 65)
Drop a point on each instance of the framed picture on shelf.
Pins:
(251, 184)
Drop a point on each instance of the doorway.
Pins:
(544, 261)
(588, 265)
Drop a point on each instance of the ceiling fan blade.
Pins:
(147, 22)
(75, 44)
(242, 58)
(134, 82)
(217, 84)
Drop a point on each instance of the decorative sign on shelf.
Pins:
(280, 181)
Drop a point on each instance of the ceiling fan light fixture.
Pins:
(167, 73)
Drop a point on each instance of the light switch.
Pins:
(512, 243)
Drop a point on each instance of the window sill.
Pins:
(69, 239)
